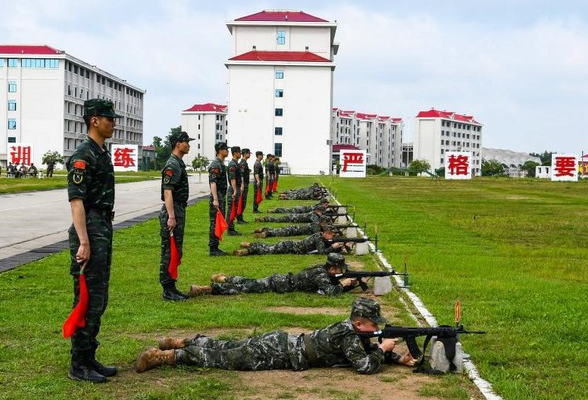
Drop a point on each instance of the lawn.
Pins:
(512, 251)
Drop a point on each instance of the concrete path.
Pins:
(34, 224)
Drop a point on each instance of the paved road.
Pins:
(34, 224)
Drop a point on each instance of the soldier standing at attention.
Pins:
(258, 179)
(270, 172)
(245, 172)
(234, 189)
(217, 178)
(90, 189)
(172, 217)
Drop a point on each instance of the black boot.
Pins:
(171, 293)
(79, 370)
(98, 367)
(215, 252)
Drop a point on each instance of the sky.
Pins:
(520, 67)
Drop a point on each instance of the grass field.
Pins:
(512, 251)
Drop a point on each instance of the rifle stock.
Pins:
(366, 274)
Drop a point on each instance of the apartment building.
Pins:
(280, 83)
(44, 90)
(437, 132)
(207, 124)
(379, 136)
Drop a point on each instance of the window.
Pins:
(279, 74)
(278, 149)
(1, 62)
(12, 87)
(279, 112)
(281, 37)
(278, 131)
(12, 62)
(11, 123)
(279, 92)
(11, 105)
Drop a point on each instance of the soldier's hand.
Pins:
(348, 282)
(387, 345)
(83, 254)
(171, 223)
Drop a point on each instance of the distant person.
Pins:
(245, 172)
(50, 167)
(33, 171)
(90, 188)
(217, 178)
(234, 189)
(172, 217)
(257, 180)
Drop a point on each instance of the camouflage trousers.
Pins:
(283, 247)
(212, 239)
(230, 204)
(292, 230)
(304, 217)
(244, 205)
(291, 210)
(97, 273)
(273, 350)
(180, 213)
(279, 283)
(256, 189)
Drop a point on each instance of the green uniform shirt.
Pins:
(175, 178)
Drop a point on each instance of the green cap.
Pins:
(100, 107)
(220, 146)
(367, 308)
(179, 137)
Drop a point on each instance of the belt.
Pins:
(310, 354)
(104, 213)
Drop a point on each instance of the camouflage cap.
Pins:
(336, 260)
(179, 137)
(220, 146)
(259, 153)
(235, 149)
(100, 107)
(245, 151)
(367, 308)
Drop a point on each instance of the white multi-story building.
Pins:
(43, 91)
(281, 87)
(379, 136)
(207, 124)
(437, 132)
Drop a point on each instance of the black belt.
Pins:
(103, 213)
(310, 354)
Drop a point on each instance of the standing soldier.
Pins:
(217, 178)
(245, 172)
(258, 180)
(270, 172)
(234, 189)
(172, 217)
(90, 188)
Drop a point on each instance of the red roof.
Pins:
(339, 147)
(255, 55)
(432, 113)
(281, 16)
(208, 107)
(21, 49)
(366, 116)
(397, 120)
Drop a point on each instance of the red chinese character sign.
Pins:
(20, 153)
(353, 164)
(125, 157)
(458, 165)
(564, 167)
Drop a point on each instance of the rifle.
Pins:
(447, 334)
(367, 274)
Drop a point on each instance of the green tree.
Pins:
(492, 168)
(200, 163)
(419, 166)
(529, 168)
(545, 157)
(52, 156)
(163, 148)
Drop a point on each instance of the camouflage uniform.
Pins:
(257, 170)
(310, 193)
(91, 178)
(270, 172)
(244, 171)
(313, 279)
(291, 210)
(306, 217)
(335, 345)
(234, 173)
(217, 172)
(313, 243)
(292, 230)
(175, 178)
